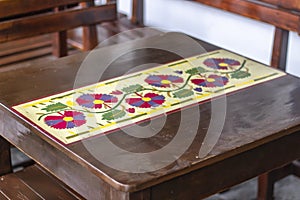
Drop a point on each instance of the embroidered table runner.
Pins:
(105, 106)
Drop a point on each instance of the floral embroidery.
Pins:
(116, 92)
(221, 63)
(211, 81)
(130, 110)
(96, 100)
(178, 71)
(198, 89)
(163, 80)
(147, 101)
(69, 119)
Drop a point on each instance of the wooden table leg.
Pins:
(267, 180)
(265, 187)
(5, 158)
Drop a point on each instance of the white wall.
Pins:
(242, 35)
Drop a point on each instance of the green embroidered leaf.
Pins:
(133, 88)
(183, 93)
(240, 75)
(115, 114)
(196, 70)
(55, 107)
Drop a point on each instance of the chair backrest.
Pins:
(284, 15)
(26, 18)
(288, 4)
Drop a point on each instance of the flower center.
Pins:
(223, 65)
(146, 99)
(68, 119)
(98, 101)
(210, 80)
(165, 82)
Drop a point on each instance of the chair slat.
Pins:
(271, 15)
(14, 188)
(51, 188)
(289, 4)
(53, 22)
(15, 7)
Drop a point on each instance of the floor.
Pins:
(285, 189)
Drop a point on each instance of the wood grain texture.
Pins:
(137, 12)
(27, 27)
(90, 38)
(280, 48)
(252, 9)
(46, 185)
(249, 133)
(16, 7)
(289, 4)
(14, 188)
(34, 183)
(202, 183)
(5, 158)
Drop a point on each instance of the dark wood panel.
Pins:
(280, 47)
(15, 188)
(21, 28)
(5, 158)
(209, 180)
(15, 7)
(272, 15)
(47, 186)
(26, 46)
(2, 197)
(33, 53)
(137, 12)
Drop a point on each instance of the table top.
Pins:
(248, 117)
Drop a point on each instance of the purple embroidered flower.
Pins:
(96, 100)
(147, 101)
(211, 81)
(163, 80)
(221, 63)
(68, 119)
(198, 89)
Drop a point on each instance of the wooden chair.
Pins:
(34, 183)
(21, 19)
(285, 16)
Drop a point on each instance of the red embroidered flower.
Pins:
(69, 119)
(211, 81)
(147, 101)
(96, 100)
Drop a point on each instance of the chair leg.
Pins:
(60, 46)
(280, 46)
(89, 37)
(137, 12)
(5, 157)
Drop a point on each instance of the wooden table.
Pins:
(260, 133)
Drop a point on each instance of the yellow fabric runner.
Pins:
(102, 107)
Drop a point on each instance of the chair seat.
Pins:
(34, 183)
